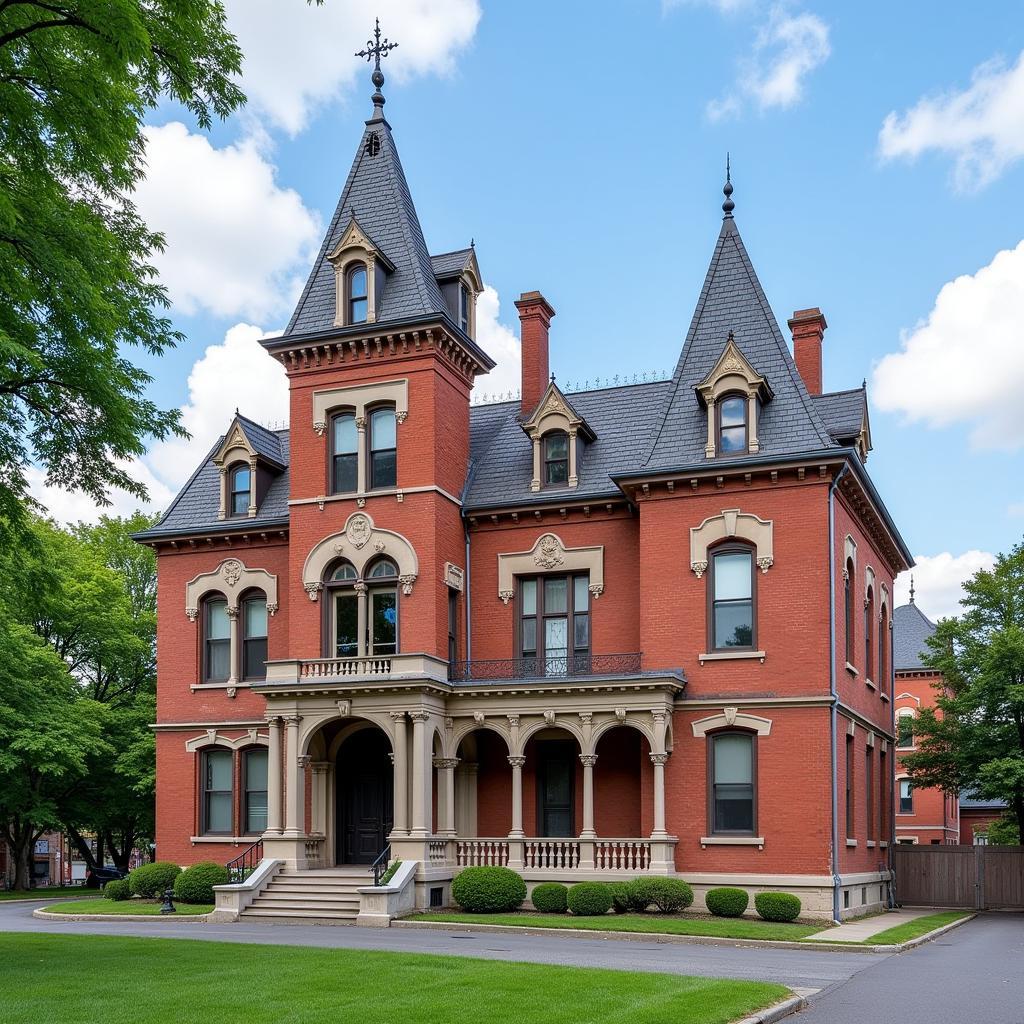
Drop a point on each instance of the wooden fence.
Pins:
(979, 877)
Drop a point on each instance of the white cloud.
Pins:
(939, 580)
(788, 47)
(965, 362)
(501, 344)
(299, 56)
(981, 127)
(74, 506)
(238, 244)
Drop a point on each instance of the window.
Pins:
(848, 595)
(883, 798)
(240, 490)
(731, 776)
(869, 791)
(883, 653)
(554, 625)
(254, 637)
(732, 424)
(343, 606)
(869, 635)
(344, 453)
(731, 597)
(906, 797)
(453, 625)
(556, 457)
(851, 816)
(255, 797)
(355, 294)
(383, 437)
(464, 308)
(217, 791)
(217, 641)
(383, 619)
(905, 729)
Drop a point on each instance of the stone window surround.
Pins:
(235, 448)
(554, 413)
(550, 554)
(732, 374)
(231, 579)
(360, 399)
(733, 524)
(355, 246)
(209, 740)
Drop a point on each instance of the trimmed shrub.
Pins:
(195, 884)
(667, 895)
(589, 899)
(117, 889)
(488, 890)
(777, 906)
(150, 880)
(550, 897)
(727, 902)
(623, 897)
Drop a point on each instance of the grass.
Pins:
(718, 927)
(137, 908)
(152, 981)
(43, 892)
(913, 929)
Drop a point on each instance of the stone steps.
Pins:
(329, 896)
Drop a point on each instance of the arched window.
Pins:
(217, 791)
(254, 797)
(732, 606)
(555, 451)
(254, 637)
(731, 427)
(869, 634)
(848, 598)
(383, 612)
(883, 650)
(383, 440)
(240, 490)
(356, 293)
(732, 783)
(342, 608)
(216, 640)
(344, 453)
(383, 569)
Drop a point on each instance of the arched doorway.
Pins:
(365, 793)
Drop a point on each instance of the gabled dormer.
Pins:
(732, 394)
(557, 431)
(249, 459)
(360, 274)
(458, 275)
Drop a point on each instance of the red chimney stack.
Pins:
(535, 313)
(808, 327)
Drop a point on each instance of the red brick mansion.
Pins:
(597, 634)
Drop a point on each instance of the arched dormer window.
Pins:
(731, 428)
(344, 453)
(254, 635)
(239, 490)
(732, 393)
(556, 458)
(732, 598)
(216, 640)
(356, 294)
(383, 447)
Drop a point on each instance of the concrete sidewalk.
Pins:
(866, 927)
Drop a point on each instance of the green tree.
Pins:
(77, 78)
(973, 739)
(1004, 832)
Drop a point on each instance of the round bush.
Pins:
(195, 884)
(550, 898)
(666, 895)
(488, 890)
(726, 902)
(150, 880)
(117, 889)
(589, 899)
(622, 897)
(777, 906)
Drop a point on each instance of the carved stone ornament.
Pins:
(232, 613)
(449, 723)
(516, 761)
(401, 415)
(320, 427)
(192, 613)
(358, 530)
(379, 546)
(549, 552)
(620, 714)
(588, 760)
(407, 581)
(344, 708)
(231, 691)
(506, 596)
(303, 760)
(730, 715)
(313, 590)
(549, 717)
(586, 717)
(232, 570)
(271, 608)
(596, 589)
(699, 567)
(765, 563)
(478, 717)
(658, 758)
(513, 721)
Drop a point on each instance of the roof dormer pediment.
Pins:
(238, 446)
(355, 242)
(732, 372)
(555, 412)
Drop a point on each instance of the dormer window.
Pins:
(464, 306)
(240, 490)
(556, 458)
(356, 294)
(733, 394)
(732, 424)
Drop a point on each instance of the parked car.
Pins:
(96, 878)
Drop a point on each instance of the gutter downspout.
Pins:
(469, 631)
(836, 881)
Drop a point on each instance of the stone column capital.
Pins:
(658, 758)
(588, 760)
(420, 716)
(517, 761)
(446, 763)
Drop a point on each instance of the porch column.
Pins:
(588, 761)
(319, 823)
(422, 776)
(446, 795)
(400, 760)
(293, 779)
(658, 760)
(274, 822)
(234, 644)
(517, 797)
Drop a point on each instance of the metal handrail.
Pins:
(380, 864)
(544, 667)
(243, 865)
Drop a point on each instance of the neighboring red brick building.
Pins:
(590, 634)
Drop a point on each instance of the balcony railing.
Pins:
(544, 668)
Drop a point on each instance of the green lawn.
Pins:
(140, 908)
(912, 929)
(153, 981)
(719, 927)
(45, 892)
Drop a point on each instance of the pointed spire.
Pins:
(728, 206)
(911, 588)
(375, 49)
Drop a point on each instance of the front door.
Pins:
(556, 787)
(365, 787)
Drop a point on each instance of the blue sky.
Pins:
(583, 145)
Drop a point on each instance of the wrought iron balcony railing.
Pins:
(500, 669)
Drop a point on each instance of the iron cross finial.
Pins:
(375, 49)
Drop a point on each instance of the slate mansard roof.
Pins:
(910, 631)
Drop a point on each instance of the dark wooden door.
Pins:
(556, 787)
(365, 787)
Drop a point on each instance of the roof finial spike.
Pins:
(728, 206)
(375, 49)
(911, 589)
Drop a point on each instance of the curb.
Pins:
(44, 899)
(45, 915)
(928, 936)
(776, 1012)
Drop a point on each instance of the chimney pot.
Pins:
(535, 313)
(808, 329)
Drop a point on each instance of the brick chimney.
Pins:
(535, 315)
(808, 327)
